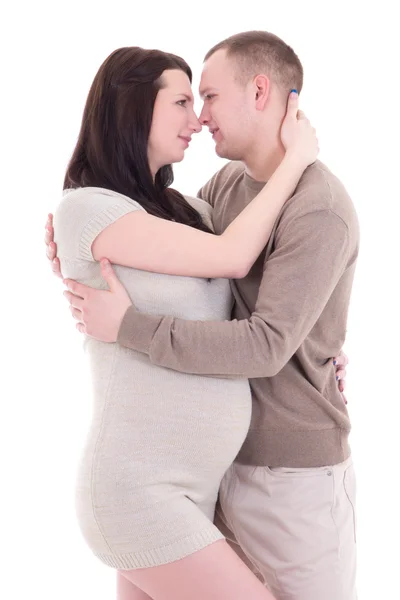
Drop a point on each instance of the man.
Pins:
(288, 500)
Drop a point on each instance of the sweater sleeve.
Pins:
(310, 256)
(81, 217)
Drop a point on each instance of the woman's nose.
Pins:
(196, 126)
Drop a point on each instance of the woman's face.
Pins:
(174, 121)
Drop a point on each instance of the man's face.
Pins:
(228, 109)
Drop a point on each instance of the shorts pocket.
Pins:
(298, 471)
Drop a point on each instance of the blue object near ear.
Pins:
(295, 91)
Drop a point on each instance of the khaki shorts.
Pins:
(295, 528)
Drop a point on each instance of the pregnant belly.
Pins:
(211, 415)
(164, 433)
(147, 416)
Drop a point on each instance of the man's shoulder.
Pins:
(231, 170)
(321, 190)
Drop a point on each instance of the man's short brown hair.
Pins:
(256, 52)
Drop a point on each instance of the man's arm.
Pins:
(299, 278)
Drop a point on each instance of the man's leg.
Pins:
(297, 526)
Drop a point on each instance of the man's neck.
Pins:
(262, 160)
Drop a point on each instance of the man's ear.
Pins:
(262, 88)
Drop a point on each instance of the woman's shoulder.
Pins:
(79, 205)
(83, 213)
(99, 195)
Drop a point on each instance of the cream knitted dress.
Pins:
(159, 441)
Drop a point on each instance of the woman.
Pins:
(152, 464)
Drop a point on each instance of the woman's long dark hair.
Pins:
(111, 151)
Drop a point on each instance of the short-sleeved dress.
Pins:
(159, 441)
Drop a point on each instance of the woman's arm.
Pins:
(149, 243)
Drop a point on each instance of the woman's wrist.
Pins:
(295, 161)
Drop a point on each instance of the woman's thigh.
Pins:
(212, 573)
(126, 590)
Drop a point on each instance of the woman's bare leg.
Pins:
(127, 591)
(213, 573)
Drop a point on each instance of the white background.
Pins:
(50, 55)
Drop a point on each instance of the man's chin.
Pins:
(221, 151)
(224, 153)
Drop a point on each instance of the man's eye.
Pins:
(209, 96)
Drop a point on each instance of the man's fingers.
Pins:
(51, 247)
(49, 230)
(76, 288)
(341, 360)
(51, 251)
(55, 267)
(341, 373)
(74, 301)
(76, 313)
(48, 234)
(109, 275)
(49, 220)
(81, 328)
